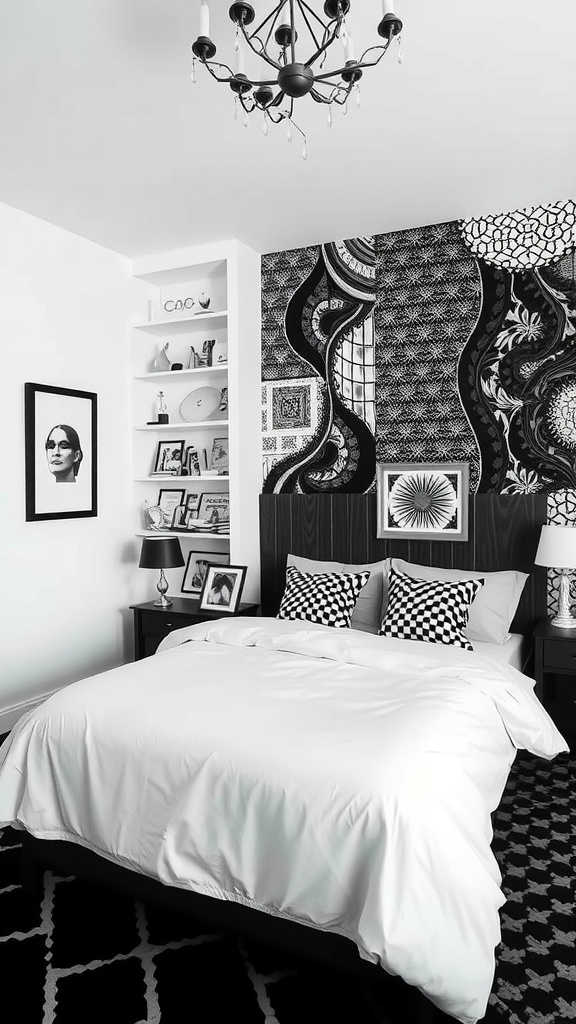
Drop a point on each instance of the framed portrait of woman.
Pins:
(60, 426)
(222, 588)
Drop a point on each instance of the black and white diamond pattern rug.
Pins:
(81, 955)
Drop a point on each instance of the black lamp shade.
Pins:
(161, 553)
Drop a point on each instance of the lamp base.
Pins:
(165, 602)
(563, 622)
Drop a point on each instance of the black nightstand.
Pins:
(152, 624)
(555, 673)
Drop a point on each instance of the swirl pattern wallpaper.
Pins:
(455, 341)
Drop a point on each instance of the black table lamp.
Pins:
(161, 553)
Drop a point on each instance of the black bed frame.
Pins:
(504, 532)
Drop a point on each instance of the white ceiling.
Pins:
(103, 133)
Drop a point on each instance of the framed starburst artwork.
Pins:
(422, 501)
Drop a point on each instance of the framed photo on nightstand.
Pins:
(197, 567)
(223, 588)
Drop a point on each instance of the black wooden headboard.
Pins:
(503, 534)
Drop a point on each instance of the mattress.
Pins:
(329, 777)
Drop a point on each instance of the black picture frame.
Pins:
(222, 590)
(61, 483)
(167, 505)
(196, 568)
(162, 461)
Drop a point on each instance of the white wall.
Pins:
(65, 585)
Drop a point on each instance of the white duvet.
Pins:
(327, 776)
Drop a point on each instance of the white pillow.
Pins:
(325, 598)
(495, 605)
(371, 604)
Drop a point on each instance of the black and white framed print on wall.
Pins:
(60, 448)
(422, 501)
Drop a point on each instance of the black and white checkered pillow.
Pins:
(327, 598)
(429, 610)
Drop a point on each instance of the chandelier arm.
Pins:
(209, 64)
(302, 4)
(321, 50)
(357, 65)
(259, 53)
(247, 107)
(308, 25)
(273, 14)
(319, 98)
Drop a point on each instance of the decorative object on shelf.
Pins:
(169, 456)
(220, 352)
(162, 409)
(193, 359)
(162, 363)
(197, 566)
(200, 404)
(557, 550)
(422, 500)
(153, 517)
(60, 448)
(168, 500)
(215, 508)
(222, 588)
(179, 518)
(223, 400)
(204, 300)
(289, 23)
(177, 366)
(161, 553)
(219, 459)
(178, 306)
(191, 462)
(192, 505)
(205, 359)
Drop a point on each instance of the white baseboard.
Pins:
(9, 716)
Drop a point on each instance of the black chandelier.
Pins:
(293, 22)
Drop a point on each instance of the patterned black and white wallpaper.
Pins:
(453, 342)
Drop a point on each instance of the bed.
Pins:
(329, 784)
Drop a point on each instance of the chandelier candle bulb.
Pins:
(204, 19)
(387, 7)
(240, 62)
(348, 44)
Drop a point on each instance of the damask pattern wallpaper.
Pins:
(451, 342)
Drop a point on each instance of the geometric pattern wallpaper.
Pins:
(452, 342)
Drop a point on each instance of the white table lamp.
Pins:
(557, 550)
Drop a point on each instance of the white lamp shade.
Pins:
(557, 547)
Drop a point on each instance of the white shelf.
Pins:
(200, 424)
(161, 478)
(192, 534)
(179, 374)
(182, 324)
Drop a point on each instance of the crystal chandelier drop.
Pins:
(293, 25)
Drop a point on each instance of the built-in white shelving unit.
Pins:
(229, 273)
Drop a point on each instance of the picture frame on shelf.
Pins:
(214, 507)
(60, 428)
(219, 460)
(179, 516)
(192, 505)
(191, 461)
(222, 588)
(196, 568)
(169, 455)
(168, 500)
(220, 352)
(422, 501)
